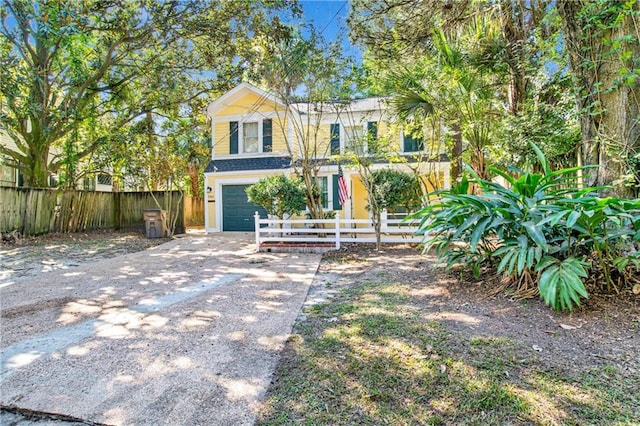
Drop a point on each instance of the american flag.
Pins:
(343, 192)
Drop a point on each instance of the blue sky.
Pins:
(330, 18)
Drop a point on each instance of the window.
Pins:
(372, 136)
(323, 187)
(412, 143)
(105, 179)
(335, 138)
(250, 141)
(324, 191)
(353, 138)
(250, 137)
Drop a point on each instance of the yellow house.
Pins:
(255, 135)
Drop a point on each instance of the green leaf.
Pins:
(478, 233)
(506, 176)
(505, 261)
(560, 284)
(536, 234)
(543, 161)
(573, 218)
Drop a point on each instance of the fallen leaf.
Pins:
(443, 368)
(636, 289)
(568, 327)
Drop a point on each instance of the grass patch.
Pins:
(369, 357)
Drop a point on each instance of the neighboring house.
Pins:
(10, 176)
(250, 132)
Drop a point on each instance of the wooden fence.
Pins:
(332, 232)
(39, 211)
(194, 211)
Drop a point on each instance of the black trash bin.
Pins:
(155, 223)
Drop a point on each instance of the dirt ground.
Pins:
(35, 255)
(604, 330)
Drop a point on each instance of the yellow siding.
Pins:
(280, 133)
(210, 205)
(359, 198)
(221, 130)
(324, 140)
(249, 103)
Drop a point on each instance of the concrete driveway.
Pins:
(186, 333)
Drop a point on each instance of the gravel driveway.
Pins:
(188, 332)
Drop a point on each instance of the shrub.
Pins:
(279, 195)
(541, 231)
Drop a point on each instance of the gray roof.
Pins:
(356, 105)
(409, 157)
(255, 163)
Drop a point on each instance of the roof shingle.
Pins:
(254, 163)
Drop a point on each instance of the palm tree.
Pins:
(450, 87)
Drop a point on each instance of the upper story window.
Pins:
(250, 142)
(411, 143)
(250, 136)
(351, 138)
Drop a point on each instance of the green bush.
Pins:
(279, 195)
(542, 228)
(393, 189)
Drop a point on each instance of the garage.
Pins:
(237, 212)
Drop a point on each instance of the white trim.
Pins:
(250, 116)
(233, 95)
(241, 136)
(213, 140)
(343, 137)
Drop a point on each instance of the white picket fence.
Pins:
(333, 231)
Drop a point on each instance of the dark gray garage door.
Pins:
(237, 212)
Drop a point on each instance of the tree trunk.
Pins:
(151, 140)
(456, 161)
(584, 80)
(619, 127)
(515, 29)
(608, 105)
(194, 177)
(378, 230)
(35, 173)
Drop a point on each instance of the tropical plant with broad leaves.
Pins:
(541, 232)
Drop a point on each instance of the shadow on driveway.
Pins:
(188, 332)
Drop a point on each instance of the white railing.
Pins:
(333, 232)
